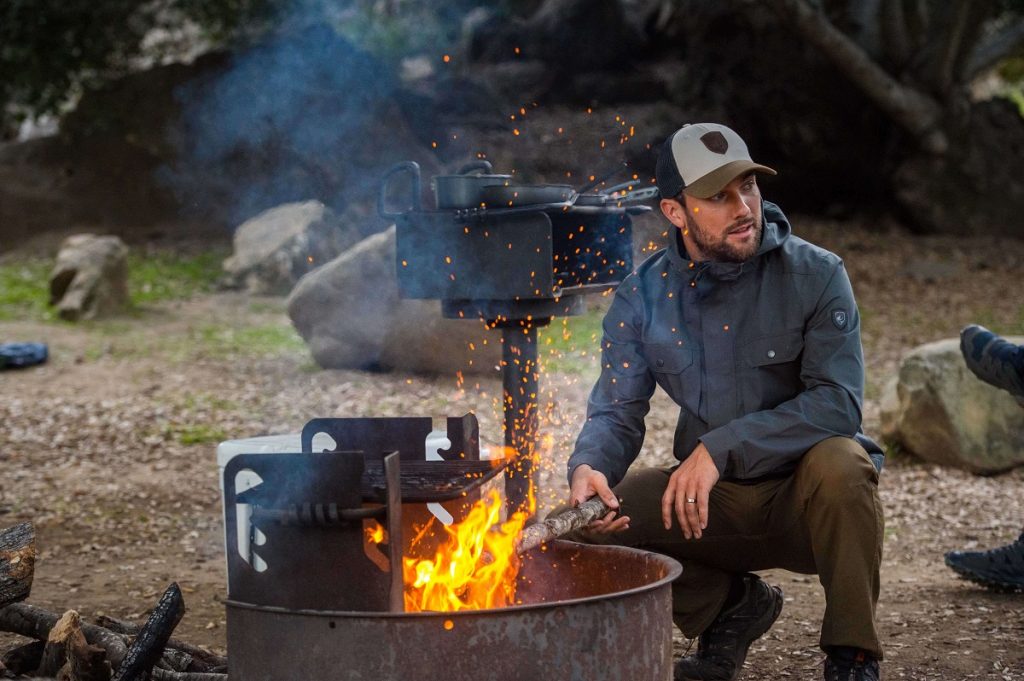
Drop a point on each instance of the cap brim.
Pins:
(712, 183)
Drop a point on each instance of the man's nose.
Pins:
(741, 205)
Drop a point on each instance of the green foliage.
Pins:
(49, 51)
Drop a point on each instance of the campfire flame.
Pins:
(475, 567)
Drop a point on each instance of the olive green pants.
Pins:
(824, 519)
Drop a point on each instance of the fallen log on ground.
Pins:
(148, 646)
(201, 657)
(562, 524)
(23, 659)
(69, 657)
(32, 622)
(17, 562)
(165, 675)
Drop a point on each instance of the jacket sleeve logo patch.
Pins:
(839, 318)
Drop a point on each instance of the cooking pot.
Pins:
(464, 190)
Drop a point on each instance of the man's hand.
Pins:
(586, 482)
(692, 480)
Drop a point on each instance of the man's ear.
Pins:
(674, 212)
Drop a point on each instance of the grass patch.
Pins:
(25, 290)
(153, 278)
(252, 341)
(571, 345)
(200, 434)
(160, 277)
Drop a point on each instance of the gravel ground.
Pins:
(109, 449)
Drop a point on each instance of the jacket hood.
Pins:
(776, 230)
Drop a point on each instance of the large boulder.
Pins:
(939, 411)
(277, 247)
(350, 314)
(90, 277)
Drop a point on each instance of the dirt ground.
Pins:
(110, 450)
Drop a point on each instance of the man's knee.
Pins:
(836, 467)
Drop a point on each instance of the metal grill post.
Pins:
(520, 379)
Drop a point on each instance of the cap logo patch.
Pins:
(839, 318)
(715, 141)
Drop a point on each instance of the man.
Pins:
(754, 333)
(998, 362)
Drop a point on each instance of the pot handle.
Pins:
(485, 166)
(413, 169)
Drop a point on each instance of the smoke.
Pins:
(302, 115)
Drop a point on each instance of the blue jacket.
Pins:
(763, 358)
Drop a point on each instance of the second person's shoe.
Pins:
(1001, 569)
(993, 359)
(723, 647)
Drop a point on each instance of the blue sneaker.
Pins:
(993, 359)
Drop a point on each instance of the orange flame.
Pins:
(375, 533)
(475, 567)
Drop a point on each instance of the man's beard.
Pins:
(722, 250)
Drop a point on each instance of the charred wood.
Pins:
(17, 562)
(33, 622)
(148, 646)
(202, 660)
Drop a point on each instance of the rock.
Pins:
(350, 315)
(939, 411)
(277, 247)
(90, 278)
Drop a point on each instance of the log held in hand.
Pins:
(17, 562)
(562, 524)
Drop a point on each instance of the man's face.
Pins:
(725, 227)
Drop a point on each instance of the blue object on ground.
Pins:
(18, 355)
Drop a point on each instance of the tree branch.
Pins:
(915, 112)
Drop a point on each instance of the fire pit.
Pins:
(319, 597)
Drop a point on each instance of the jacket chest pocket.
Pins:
(677, 370)
(770, 371)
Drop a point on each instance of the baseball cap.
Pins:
(701, 158)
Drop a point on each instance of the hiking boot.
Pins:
(851, 667)
(993, 359)
(1001, 569)
(723, 646)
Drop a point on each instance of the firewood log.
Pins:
(33, 622)
(202, 660)
(23, 659)
(562, 524)
(17, 562)
(164, 675)
(148, 646)
(69, 657)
